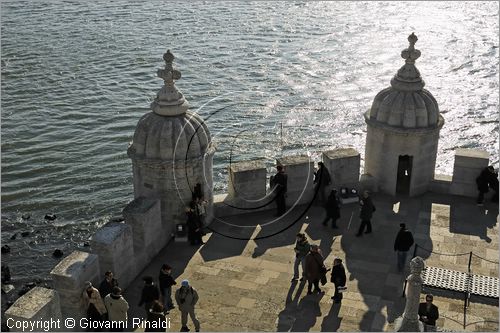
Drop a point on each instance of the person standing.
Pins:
(493, 183)
(156, 320)
(193, 225)
(166, 282)
(428, 313)
(315, 268)
(280, 182)
(482, 182)
(107, 285)
(149, 293)
(322, 179)
(332, 209)
(365, 214)
(402, 243)
(117, 308)
(93, 304)
(338, 278)
(302, 248)
(187, 297)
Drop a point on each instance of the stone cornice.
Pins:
(404, 130)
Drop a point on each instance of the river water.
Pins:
(275, 78)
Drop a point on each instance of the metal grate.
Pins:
(484, 286)
(444, 278)
(458, 281)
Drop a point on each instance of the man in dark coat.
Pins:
(404, 240)
(332, 209)
(428, 313)
(338, 278)
(314, 269)
(322, 179)
(149, 294)
(166, 282)
(280, 186)
(107, 285)
(365, 214)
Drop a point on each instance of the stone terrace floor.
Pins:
(245, 285)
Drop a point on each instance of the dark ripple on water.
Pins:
(76, 80)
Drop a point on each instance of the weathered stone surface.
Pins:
(300, 171)
(247, 180)
(113, 243)
(468, 165)
(69, 277)
(344, 167)
(33, 307)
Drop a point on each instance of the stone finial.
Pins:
(409, 322)
(169, 101)
(408, 77)
(411, 53)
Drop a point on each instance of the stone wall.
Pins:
(468, 165)
(38, 307)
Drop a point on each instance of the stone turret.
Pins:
(171, 152)
(403, 127)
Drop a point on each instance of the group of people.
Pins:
(107, 303)
(309, 256)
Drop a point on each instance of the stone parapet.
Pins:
(247, 180)
(69, 277)
(144, 217)
(113, 243)
(440, 184)
(300, 171)
(38, 307)
(344, 167)
(468, 165)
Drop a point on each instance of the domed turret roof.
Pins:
(169, 132)
(405, 104)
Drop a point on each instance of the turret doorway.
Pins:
(404, 175)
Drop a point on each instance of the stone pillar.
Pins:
(343, 165)
(38, 307)
(409, 322)
(113, 243)
(468, 165)
(144, 216)
(247, 183)
(69, 277)
(300, 171)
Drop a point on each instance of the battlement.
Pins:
(127, 247)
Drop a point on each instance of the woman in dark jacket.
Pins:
(332, 209)
(338, 278)
(314, 269)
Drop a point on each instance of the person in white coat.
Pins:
(117, 308)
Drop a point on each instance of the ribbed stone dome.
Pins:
(170, 137)
(406, 104)
(169, 132)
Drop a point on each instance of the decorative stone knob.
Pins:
(411, 53)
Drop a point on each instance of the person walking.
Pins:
(117, 308)
(280, 185)
(187, 297)
(315, 269)
(107, 285)
(428, 313)
(332, 209)
(166, 282)
(365, 214)
(156, 320)
(338, 278)
(149, 293)
(322, 179)
(302, 248)
(93, 304)
(402, 243)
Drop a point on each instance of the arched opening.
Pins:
(404, 174)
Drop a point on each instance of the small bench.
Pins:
(459, 281)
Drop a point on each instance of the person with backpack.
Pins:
(187, 297)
